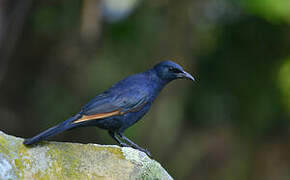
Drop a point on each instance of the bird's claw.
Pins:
(146, 152)
(124, 145)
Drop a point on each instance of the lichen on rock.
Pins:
(57, 160)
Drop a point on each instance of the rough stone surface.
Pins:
(55, 160)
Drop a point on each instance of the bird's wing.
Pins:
(111, 104)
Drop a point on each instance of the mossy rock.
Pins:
(57, 160)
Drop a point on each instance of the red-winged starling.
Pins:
(121, 105)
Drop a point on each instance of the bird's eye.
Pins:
(174, 70)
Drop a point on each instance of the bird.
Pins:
(122, 105)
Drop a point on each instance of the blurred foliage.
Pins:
(284, 83)
(233, 123)
(272, 10)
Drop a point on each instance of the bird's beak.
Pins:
(186, 75)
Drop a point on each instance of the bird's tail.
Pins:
(66, 125)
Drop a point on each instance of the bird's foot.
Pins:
(146, 152)
(124, 145)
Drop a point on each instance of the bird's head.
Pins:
(169, 70)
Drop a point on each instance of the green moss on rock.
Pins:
(54, 160)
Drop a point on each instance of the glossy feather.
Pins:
(121, 105)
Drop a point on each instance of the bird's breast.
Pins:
(130, 118)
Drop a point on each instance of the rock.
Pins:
(57, 160)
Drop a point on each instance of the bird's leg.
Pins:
(113, 135)
(133, 144)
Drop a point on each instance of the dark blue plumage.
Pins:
(121, 105)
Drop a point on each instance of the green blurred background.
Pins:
(233, 123)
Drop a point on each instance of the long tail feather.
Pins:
(66, 125)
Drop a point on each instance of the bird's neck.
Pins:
(156, 82)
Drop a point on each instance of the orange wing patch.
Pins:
(97, 116)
